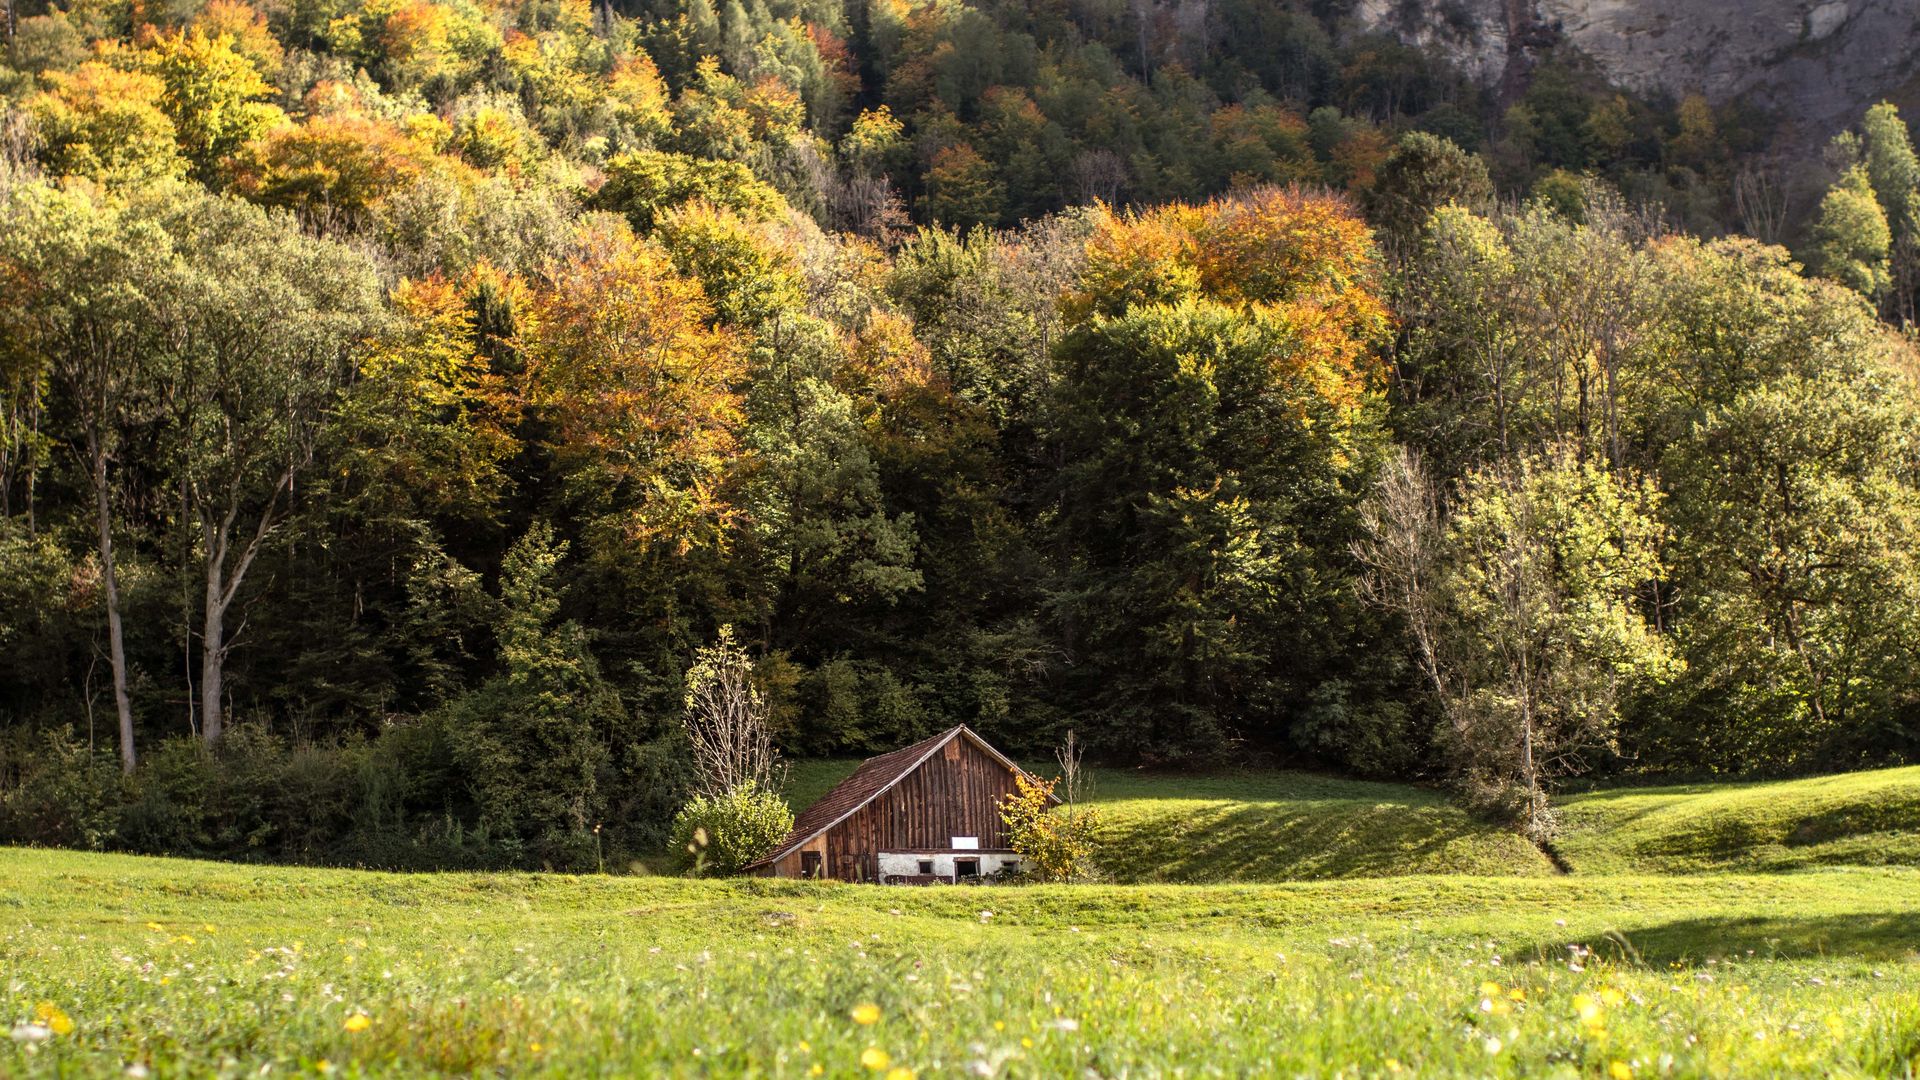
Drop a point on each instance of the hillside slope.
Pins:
(1863, 818)
(1285, 826)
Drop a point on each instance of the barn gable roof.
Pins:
(874, 778)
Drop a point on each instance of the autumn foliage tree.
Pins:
(1054, 846)
(1218, 400)
(212, 92)
(105, 124)
(639, 387)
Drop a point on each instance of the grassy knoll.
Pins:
(199, 969)
(1862, 818)
(1281, 826)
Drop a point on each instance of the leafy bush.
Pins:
(1054, 846)
(723, 834)
(60, 794)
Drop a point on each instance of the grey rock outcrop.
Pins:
(1818, 62)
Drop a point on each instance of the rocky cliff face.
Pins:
(1819, 62)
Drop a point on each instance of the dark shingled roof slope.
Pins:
(874, 776)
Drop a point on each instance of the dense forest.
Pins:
(396, 394)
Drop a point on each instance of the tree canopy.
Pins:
(398, 396)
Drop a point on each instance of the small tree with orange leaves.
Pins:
(1056, 845)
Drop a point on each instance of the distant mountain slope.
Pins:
(1819, 62)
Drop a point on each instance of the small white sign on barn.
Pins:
(966, 843)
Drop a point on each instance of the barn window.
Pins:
(926, 866)
(966, 868)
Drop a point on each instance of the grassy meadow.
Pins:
(113, 965)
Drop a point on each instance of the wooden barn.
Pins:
(919, 815)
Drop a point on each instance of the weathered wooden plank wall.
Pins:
(956, 792)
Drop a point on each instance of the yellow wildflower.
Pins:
(816, 1070)
(1517, 994)
(1834, 1025)
(1490, 989)
(875, 1058)
(900, 1073)
(1620, 1070)
(1612, 996)
(358, 1022)
(866, 1013)
(55, 1019)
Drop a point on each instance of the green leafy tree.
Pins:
(820, 520)
(1187, 510)
(1523, 606)
(645, 184)
(1894, 171)
(1802, 531)
(1211, 433)
(1422, 174)
(1544, 560)
(91, 287)
(533, 741)
(269, 320)
(1852, 242)
(727, 832)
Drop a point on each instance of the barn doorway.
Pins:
(809, 864)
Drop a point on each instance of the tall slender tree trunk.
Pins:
(213, 659)
(116, 646)
(223, 584)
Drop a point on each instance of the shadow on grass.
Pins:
(1279, 842)
(1867, 936)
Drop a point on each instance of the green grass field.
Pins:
(196, 969)
(1784, 960)
(1280, 826)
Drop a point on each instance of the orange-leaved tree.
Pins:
(639, 386)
